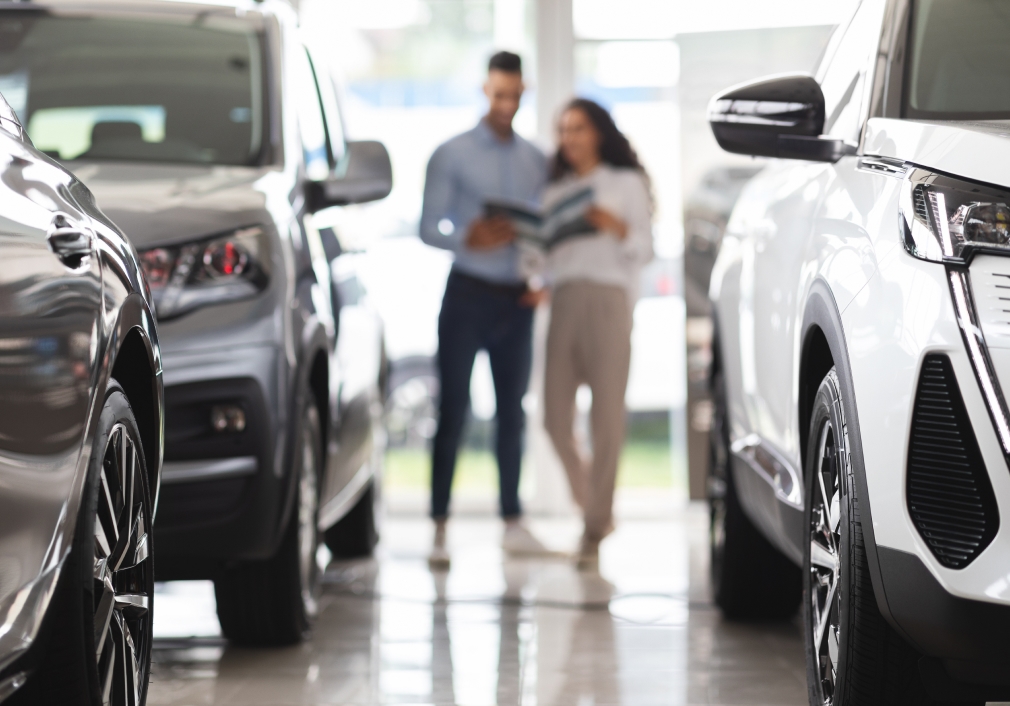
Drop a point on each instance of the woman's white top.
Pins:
(604, 257)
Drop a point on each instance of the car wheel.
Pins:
(98, 649)
(853, 656)
(355, 535)
(272, 602)
(751, 579)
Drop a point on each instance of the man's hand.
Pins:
(606, 221)
(532, 298)
(490, 233)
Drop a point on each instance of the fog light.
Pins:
(227, 418)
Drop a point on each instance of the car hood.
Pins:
(167, 204)
(977, 150)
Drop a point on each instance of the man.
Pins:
(486, 304)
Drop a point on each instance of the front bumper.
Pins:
(959, 618)
(968, 638)
(222, 493)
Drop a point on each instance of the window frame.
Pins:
(331, 114)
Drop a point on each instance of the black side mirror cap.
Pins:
(778, 116)
(367, 176)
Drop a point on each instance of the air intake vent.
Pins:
(949, 495)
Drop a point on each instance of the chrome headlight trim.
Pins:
(944, 218)
(931, 219)
(978, 353)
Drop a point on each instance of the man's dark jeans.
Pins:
(480, 315)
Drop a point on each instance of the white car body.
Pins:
(815, 249)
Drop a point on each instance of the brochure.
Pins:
(545, 229)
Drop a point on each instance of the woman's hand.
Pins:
(603, 220)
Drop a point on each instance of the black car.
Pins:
(213, 136)
(80, 440)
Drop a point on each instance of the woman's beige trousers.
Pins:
(589, 341)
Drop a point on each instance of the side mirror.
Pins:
(368, 176)
(778, 116)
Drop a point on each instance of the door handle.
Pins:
(69, 241)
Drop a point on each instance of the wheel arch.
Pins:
(312, 378)
(823, 344)
(136, 366)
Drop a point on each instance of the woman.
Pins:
(595, 285)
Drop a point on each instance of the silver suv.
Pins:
(213, 137)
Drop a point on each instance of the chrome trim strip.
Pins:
(981, 363)
(772, 466)
(883, 165)
(173, 472)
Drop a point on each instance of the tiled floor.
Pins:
(640, 632)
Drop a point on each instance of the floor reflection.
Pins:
(490, 631)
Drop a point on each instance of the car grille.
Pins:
(949, 495)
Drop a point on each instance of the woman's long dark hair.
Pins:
(615, 149)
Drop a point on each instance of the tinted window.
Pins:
(171, 89)
(958, 60)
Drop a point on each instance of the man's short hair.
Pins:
(506, 61)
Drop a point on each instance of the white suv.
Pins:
(861, 439)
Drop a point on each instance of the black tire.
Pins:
(355, 534)
(272, 602)
(751, 579)
(77, 667)
(853, 656)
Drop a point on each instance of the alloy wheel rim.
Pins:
(307, 512)
(825, 564)
(121, 574)
(716, 490)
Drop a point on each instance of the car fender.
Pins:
(313, 341)
(821, 315)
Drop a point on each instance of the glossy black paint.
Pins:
(778, 116)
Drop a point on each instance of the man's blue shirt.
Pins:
(465, 172)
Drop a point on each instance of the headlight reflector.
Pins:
(944, 218)
(211, 271)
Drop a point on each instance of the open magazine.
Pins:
(545, 229)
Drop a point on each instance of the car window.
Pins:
(331, 110)
(957, 60)
(310, 118)
(134, 87)
(845, 78)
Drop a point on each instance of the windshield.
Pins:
(174, 88)
(957, 65)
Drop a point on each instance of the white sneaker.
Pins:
(519, 541)
(438, 559)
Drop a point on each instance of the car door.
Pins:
(50, 309)
(801, 230)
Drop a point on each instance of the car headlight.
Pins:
(212, 271)
(948, 219)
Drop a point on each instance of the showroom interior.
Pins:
(271, 304)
